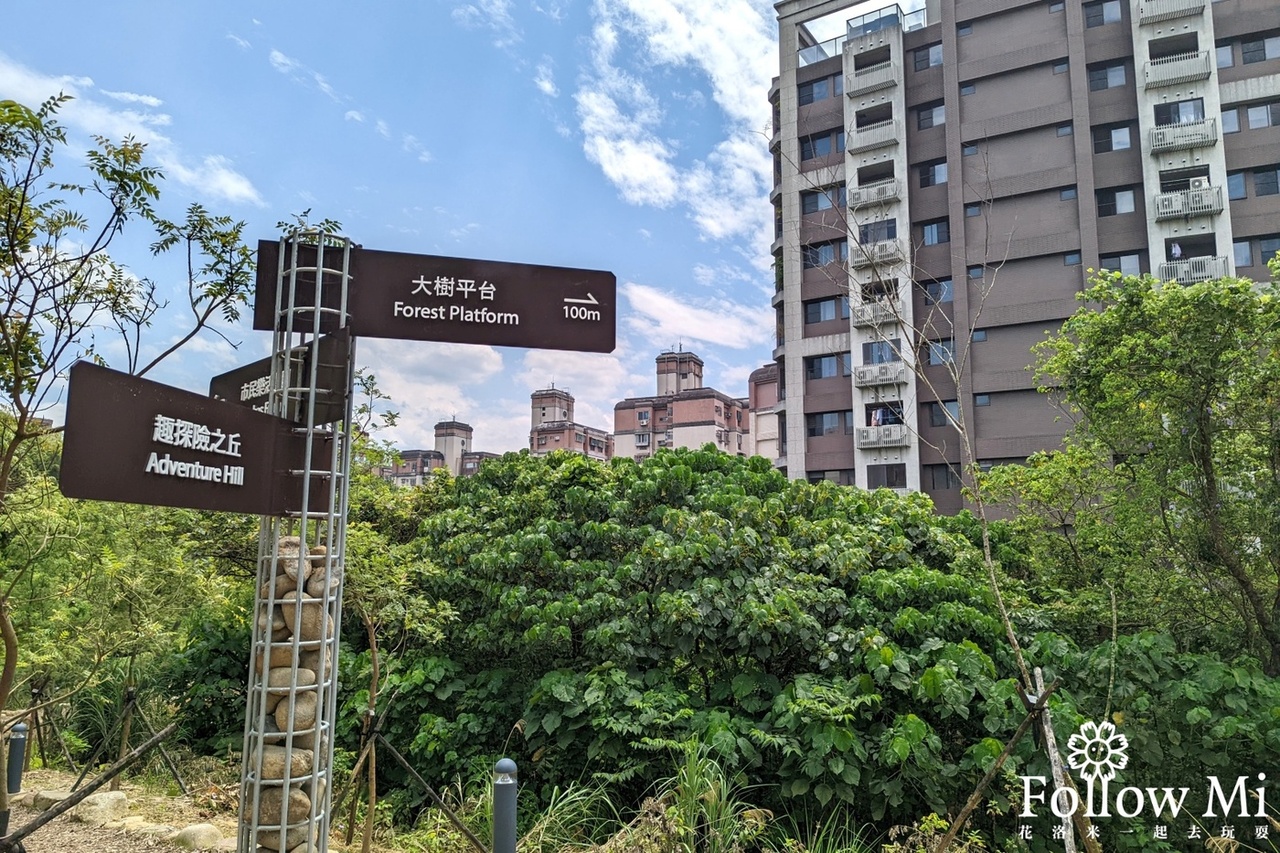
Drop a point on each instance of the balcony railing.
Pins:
(1190, 270)
(1187, 134)
(1201, 201)
(894, 435)
(863, 255)
(877, 313)
(881, 76)
(883, 19)
(873, 193)
(888, 373)
(822, 50)
(1152, 11)
(1180, 68)
(872, 135)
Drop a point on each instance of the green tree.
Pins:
(60, 289)
(1179, 445)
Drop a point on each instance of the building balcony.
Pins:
(877, 193)
(876, 313)
(1177, 69)
(873, 78)
(818, 52)
(894, 435)
(1202, 201)
(872, 135)
(883, 252)
(890, 17)
(1154, 11)
(888, 373)
(1187, 134)
(1191, 270)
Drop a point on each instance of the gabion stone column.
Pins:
(286, 778)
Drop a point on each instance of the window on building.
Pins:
(1235, 185)
(824, 199)
(839, 476)
(941, 351)
(968, 88)
(821, 254)
(820, 90)
(1057, 6)
(1260, 50)
(1071, 259)
(823, 423)
(1066, 193)
(1112, 138)
(936, 232)
(1264, 115)
(1180, 112)
(1266, 181)
(1230, 120)
(940, 478)
(822, 144)
(1243, 251)
(822, 310)
(542, 441)
(978, 335)
(1112, 202)
(931, 115)
(1268, 247)
(878, 231)
(1107, 76)
(975, 273)
(945, 413)
(883, 413)
(937, 292)
(933, 173)
(890, 476)
(1061, 66)
(982, 399)
(1128, 264)
(1103, 12)
(882, 352)
(826, 366)
(969, 150)
(973, 210)
(1224, 55)
(964, 30)
(928, 57)
(1065, 129)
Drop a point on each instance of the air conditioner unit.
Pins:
(1199, 183)
(1169, 203)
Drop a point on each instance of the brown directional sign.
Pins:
(249, 385)
(137, 441)
(432, 298)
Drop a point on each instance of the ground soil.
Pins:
(64, 835)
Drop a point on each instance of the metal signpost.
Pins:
(274, 439)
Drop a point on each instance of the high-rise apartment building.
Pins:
(684, 413)
(945, 177)
(552, 427)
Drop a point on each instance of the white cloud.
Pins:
(411, 144)
(731, 43)
(210, 175)
(239, 42)
(665, 317)
(492, 15)
(384, 129)
(353, 115)
(544, 78)
(131, 98)
(301, 74)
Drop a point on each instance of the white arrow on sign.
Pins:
(590, 300)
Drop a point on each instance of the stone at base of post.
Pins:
(504, 806)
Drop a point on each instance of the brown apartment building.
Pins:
(945, 176)
(683, 413)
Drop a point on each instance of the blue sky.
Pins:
(625, 135)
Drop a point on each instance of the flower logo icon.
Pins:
(1098, 751)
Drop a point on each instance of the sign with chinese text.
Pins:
(249, 385)
(134, 440)
(431, 298)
